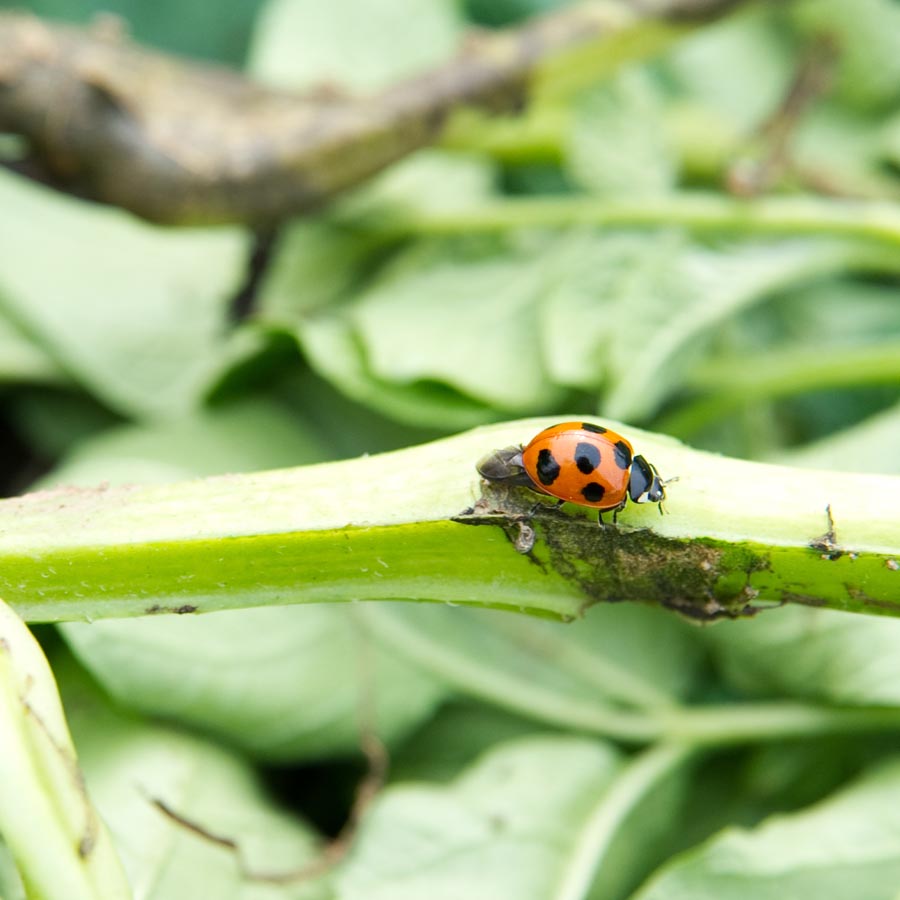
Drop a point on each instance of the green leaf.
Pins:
(21, 360)
(474, 332)
(321, 264)
(60, 844)
(351, 43)
(604, 279)
(843, 848)
(503, 829)
(333, 351)
(253, 677)
(135, 313)
(817, 654)
(444, 334)
(617, 144)
(315, 263)
(696, 291)
(177, 850)
(571, 675)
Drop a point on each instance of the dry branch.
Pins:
(179, 142)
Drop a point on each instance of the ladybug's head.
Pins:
(504, 467)
(645, 485)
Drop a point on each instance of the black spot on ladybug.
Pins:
(593, 492)
(623, 455)
(597, 429)
(587, 457)
(547, 467)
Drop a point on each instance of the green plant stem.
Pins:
(704, 213)
(734, 382)
(736, 534)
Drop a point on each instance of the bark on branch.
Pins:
(179, 142)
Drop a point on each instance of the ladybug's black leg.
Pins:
(600, 516)
(537, 506)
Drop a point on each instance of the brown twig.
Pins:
(185, 143)
(759, 170)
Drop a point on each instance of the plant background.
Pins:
(126, 355)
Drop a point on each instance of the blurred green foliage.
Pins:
(122, 358)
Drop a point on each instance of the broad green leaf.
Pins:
(569, 675)
(698, 291)
(351, 43)
(444, 334)
(321, 264)
(59, 842)
(871, 446)
(844, 848)
(132, 767)
(136, 314)
(465, 319)
(814, 653)
(618, 145)
(602, 279)
(21, 360)
(504, 828)
(253, 677)
(314, 264)
(334, 353)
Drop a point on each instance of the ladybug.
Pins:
(578, 462)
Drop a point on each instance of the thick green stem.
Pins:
(737, 534)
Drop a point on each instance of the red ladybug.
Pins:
(581, 463)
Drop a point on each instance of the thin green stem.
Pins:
(726, 725)
(632, 785)
(739, 379)
(704, 213)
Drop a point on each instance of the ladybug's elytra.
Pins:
(581, 463)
